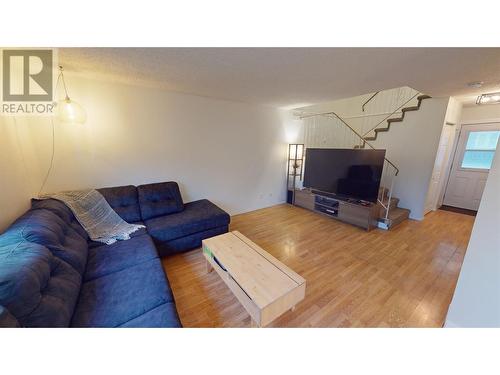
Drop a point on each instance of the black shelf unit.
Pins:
(295, 167)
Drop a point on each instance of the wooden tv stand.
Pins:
(361, 215)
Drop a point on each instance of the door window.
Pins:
(480, 149)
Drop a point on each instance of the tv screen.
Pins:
(347, 173)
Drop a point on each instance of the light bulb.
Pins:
(70, 112)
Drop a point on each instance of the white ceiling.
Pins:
(292, 77)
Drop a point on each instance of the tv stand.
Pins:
(323, 193)
(327, 206)
(360, 213)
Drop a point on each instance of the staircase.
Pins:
(396, 214)
(390, 214)
(377, 129)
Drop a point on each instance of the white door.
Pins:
(475, 149)
(442, 157)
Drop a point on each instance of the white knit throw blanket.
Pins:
(95, 215)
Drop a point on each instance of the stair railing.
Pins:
(385, 193)
(369, 99)
(389, 171)
(391, 114)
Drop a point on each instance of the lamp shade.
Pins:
(70, 112)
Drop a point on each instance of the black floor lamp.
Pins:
(294, 168)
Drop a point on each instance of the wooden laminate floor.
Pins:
(404, 277)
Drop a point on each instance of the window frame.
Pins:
(464, 151)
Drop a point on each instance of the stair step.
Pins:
(396, 216)
(392, 206)
(394, 202)
(408, 109)
(422, 97)
(396, 119)
(386, 192)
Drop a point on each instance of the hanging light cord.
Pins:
(51, 165)
(61, 75)
(51, 158)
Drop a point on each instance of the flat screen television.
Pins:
(346, 173)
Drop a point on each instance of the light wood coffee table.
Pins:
(264, 286)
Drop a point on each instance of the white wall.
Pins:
(476, 302)
(444, 155)
(481, 112)
(454, 111)
(231, 153)
(15, 184)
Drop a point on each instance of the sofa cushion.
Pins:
(159, 199)
(106, 259)
(120, 297)
(7, 320)
(56, 207)
(162, 316)
(188, 242)
(45, 228)
(62, 211)
(197, 216)
(38, 288)
(124, 200)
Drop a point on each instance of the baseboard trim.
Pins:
(458, 210)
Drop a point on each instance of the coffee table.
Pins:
(264, 286)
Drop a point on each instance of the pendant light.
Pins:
(69, 111)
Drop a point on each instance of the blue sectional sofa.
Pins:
(53, 275)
